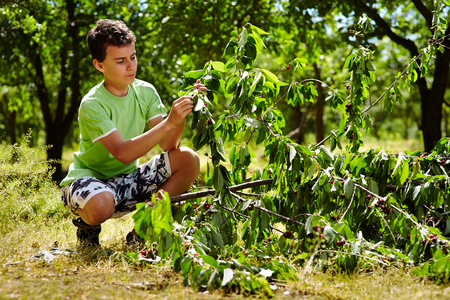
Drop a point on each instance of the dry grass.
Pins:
(104, 273)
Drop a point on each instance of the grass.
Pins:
(33, 222)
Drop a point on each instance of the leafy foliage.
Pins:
(324, 210)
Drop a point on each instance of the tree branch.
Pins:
(425, 12)
(208, 192)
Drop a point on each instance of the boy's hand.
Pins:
(200, 87)
(183, 106)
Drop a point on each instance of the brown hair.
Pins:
(106, 33)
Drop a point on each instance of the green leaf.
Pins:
(349, 187)
(210, 261)
(258, 30)
(199, 105)
(328, 234)
(243, 40)
(161, 215)
(292, 153)
(218, 65)
(404, 173)
(270, 76)
(227, 276)
(399, 161)
(255, 83)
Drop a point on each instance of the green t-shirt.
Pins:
(100, 114)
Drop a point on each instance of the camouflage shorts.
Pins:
(128, 189)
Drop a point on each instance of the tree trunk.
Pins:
(433, 101)
(10, 116)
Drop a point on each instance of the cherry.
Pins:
(368, 197)
(250, 207)
(288, 68)
(287, 234)
(340, 243)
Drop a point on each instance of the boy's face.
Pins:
(119, 68)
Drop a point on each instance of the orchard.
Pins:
(324, 206)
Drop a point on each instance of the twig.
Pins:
(279, 216)
(233, 209)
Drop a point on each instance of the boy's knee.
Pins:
(98, 209)
(186, 159)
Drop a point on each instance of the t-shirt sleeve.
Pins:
(155, 107)
(95, 121)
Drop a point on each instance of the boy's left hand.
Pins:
(200, 87)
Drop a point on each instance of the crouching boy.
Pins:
(105, 180)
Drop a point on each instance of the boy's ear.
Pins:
(98, 65)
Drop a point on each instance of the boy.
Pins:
(104, 180)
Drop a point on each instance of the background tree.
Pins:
(408, 25)
(44, 44)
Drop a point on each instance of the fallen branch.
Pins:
(201, 194)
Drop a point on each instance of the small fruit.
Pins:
(287, 234)
(288, 68)
(340, 243)
(368, 197)
(250, 207)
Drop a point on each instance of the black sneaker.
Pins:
(133, 240)
(87, 234)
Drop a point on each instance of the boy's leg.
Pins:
(90, 198)
(185, 166)
(98, 209)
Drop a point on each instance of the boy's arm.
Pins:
(165, 132)
(172, 139)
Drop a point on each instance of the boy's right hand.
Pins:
(183, 106)
(180, 109)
